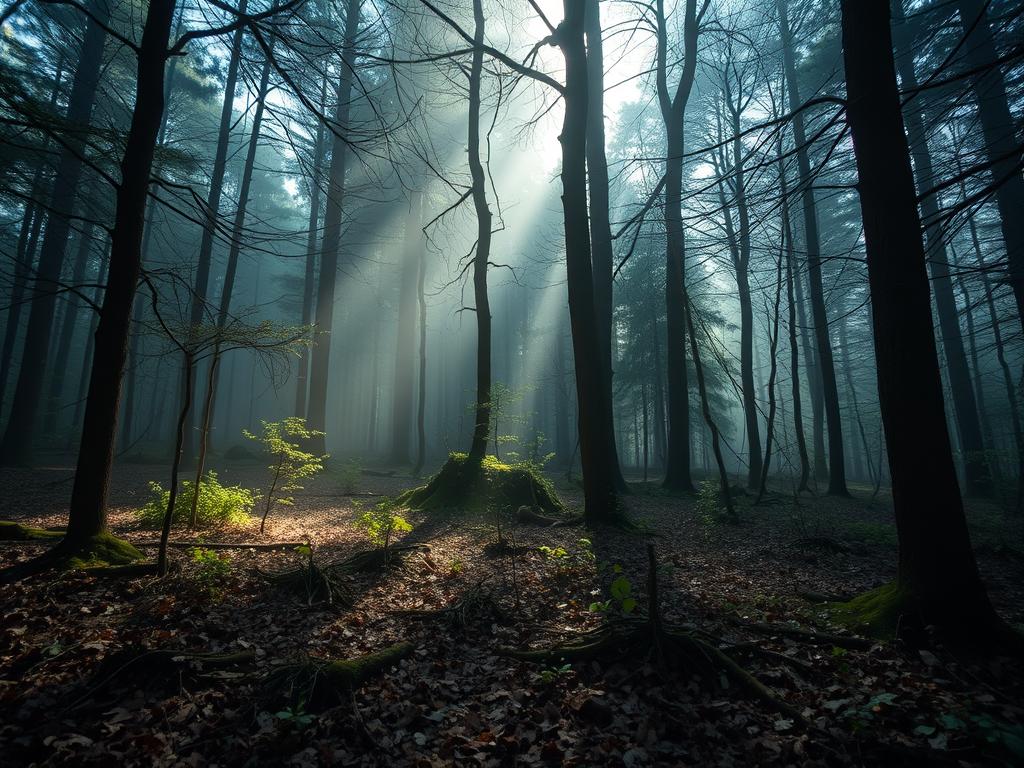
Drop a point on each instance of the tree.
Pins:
(673, 113)
(938, 581)
(16, 447)
(812, 243)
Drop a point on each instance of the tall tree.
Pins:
(673, 112)
(965, 407)
(812, 244)
(88, 513)
(331, 245)
(16, 447)
(600, 224)
(938, 581)
(402, 402)
(999, 130)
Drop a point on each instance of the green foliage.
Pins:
(210, 570)
(218, 504)
(295, 717)
(290, 464)
(348, 474)
(710, 508)
(579, 559)
(382, 522)
(621, 598)
(551, 674)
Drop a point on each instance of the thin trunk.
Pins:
(212, 208)
(812, 242)
(172, 492)
(67, 331)
(402, 402)
(999, 130)
(773, 348)
(482, 417)
(329, 251)
(421, 405)
(937, 573)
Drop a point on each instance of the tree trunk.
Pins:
(309, 282)
(83, 380)
(421, 405)
(673, 113)
(600, 224)
(321, 358)
(213, 198)
(179, 437)
(812, 242)
(999, 130)
(595, 429)
(482, 417)
(937, 574)
(16, 447)
(965, 408)
(88, 514)
(402, 402)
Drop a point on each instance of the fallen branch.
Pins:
(850, 642)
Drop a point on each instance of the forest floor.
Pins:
(74, 689)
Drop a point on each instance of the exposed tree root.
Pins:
(849, 642)
(670, 646)
(313, 583)
(319, 683)
(462, 484)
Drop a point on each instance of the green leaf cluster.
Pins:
(218, 504)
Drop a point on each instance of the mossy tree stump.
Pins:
(463, 484)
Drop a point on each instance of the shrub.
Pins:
(218, 504)
(381, 523)
(211, 569)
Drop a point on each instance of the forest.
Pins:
(512, 382)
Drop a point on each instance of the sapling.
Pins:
(289, 463)
(381, 522)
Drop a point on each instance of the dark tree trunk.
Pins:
(600, 225)
(937, 574)
(321, 358)
(773, 346)
(16, 447)
(67, 331)
(813, 379)
(96, 456)
(965, 407)
(402, 403)
(794, 350)
(999, 130)
(595, 429)
(202, 280)
(482, 416)
(230, 272)
(421, 403)
(812, 242)
(673, 113)
(83, 379)
(309, 282)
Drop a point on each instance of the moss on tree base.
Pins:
(879, 613)
(478, 486)
(100, 551)
(11, 531)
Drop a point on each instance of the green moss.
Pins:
(877, 613)
(100, 551)
(351, 673)
(477, 486)
(10, 531)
